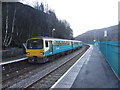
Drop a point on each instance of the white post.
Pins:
(53, 32)
(105, 33)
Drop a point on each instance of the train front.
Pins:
(35, 50)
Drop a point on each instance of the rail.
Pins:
(29, 82)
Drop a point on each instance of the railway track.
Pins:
(49, 70)
(54, 75)
(17, 72)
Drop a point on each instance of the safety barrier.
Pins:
(111, 51)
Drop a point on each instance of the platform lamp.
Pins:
(105, 35)
(53, 32)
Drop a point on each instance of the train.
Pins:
(43, 49)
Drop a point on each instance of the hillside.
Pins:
(21, 22)
(98, 34)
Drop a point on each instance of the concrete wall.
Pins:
(12, 52)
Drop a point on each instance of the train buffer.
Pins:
(90, 71)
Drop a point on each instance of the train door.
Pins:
(72, 44)
(50, 47)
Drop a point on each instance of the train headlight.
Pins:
(41, 53)
(28, 53)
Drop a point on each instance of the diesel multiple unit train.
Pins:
(41, 49)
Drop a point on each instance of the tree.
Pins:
(38, 6)
(21, 22)
(9, 34)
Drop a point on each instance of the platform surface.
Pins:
(13, 59)
(90, 71)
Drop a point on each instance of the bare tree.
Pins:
(13, 23)
(6, 29)
(8, 37)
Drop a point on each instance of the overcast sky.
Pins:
(84, 15)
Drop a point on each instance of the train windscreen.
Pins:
(35, 44)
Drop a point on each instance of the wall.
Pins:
(13, 52)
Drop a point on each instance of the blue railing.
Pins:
(111, 52)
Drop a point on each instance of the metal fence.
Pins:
(111, 51)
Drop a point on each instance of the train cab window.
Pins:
(46, 43)
(35, 44)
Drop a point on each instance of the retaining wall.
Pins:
(13, 52)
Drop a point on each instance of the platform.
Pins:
(90, 71)
(13, 59)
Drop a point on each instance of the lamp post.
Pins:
(94, 38)
(105, 35)
(94, 42)
(53, 32)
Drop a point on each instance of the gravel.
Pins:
(33, 75)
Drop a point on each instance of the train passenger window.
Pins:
(55, 44)
(46, 43)
(58, 43)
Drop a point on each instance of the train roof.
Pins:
(44, 37)
(41, 37)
